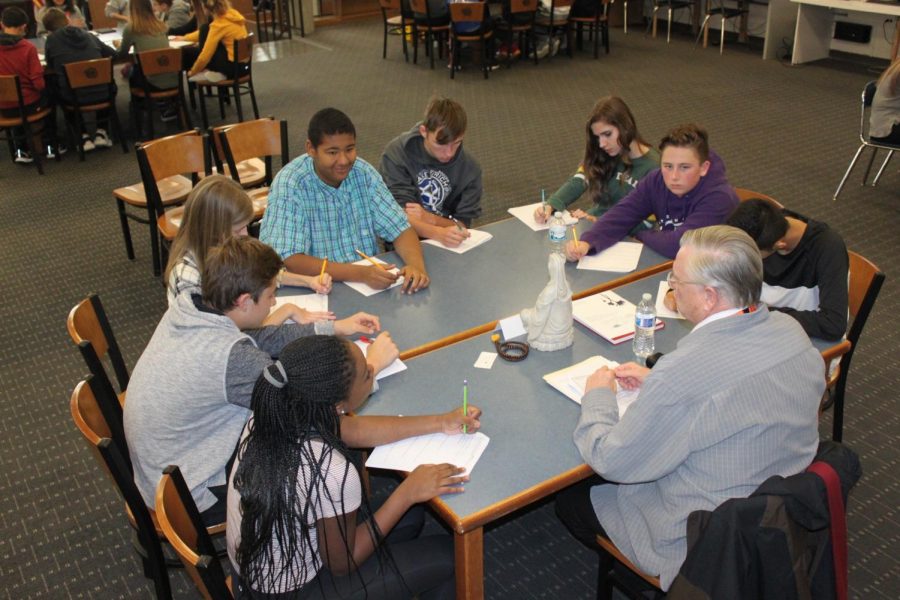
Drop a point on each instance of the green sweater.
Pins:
(142, 43)
(615, 188)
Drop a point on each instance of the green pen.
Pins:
(465, 403)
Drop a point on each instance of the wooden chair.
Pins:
(865, 141)
(717, 8)
(11, 91)
(93, 414)
(87, 322)
(164, 159)
(248, 151)
(597, 26)
(85, 76)
(274, 15)
(144, 98)
(555, 25)
(394, 18)
(671, 6)
(470, 13)
(745, 194)
(241, 85)
(181, 523)
(522, 27)
(607, 578)
(435, 31)
(866, 280)
(95, 14)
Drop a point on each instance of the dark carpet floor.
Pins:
(787, 132)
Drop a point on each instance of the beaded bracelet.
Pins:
(511, 351)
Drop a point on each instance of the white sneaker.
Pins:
(543, 51)
(87, 142)
(555, 46)
(101, 140)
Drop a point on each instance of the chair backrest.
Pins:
(467, 12)
(421, 7)
(523, 6)
(243, 49)
(160, 62)
(87, 322)
(180, 521)
(11, 91)
(252, 139)
(100, 412)
(744, 194)
(87, 412)
(88, 73)
(868, 94)
(185, 152)
(866, 280)
(390, 5)
(97, 15)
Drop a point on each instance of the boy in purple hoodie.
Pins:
(688, 191)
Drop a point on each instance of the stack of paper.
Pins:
(526, 215)
(367, 290)
(571, 381)
(395, 367)
(312, 302)
(608, 315)
(460, 450)
(622, 257)
(475, 239)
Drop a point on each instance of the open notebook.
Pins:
(608, 315)
(460, 450)
(571, 381)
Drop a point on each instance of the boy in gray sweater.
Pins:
(189, 396)
(431, 176)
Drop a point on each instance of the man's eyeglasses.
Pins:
(674, 281)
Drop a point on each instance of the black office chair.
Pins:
(866, 142)
(671, 6)
(717, 8)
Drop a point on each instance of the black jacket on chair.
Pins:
(776, 544)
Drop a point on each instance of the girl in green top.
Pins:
(615, 159)
(143, 32)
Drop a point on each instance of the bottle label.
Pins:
(557, 234)
(643, 321)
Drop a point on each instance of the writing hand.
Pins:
(453, 421)
(576, 250)
(453, 235)
(378, 278)
(543, 213)
(602, 377)
(321, 285)
(414, 279)
(382, 352)
(631, 375)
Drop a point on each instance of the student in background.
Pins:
(687, 192)
(299, 524)
(432, 177)
(198, 18)
(19, 57)
(330, 203)
(73, 13)
(174, 13)
(216, 209)
(216, 61)
(615, 159)
(144, 31)
(117, 10)
(67, 44)
(189, 394)
(884, 120)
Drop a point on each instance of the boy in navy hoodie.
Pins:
(688, 191)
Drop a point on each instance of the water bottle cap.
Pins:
(646, 296)
(557, 214)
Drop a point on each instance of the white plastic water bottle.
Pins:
(557, 233)
(643, 344)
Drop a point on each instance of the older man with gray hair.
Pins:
(734, 404)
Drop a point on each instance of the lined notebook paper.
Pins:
(460, 450)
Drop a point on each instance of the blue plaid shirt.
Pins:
(305, 215)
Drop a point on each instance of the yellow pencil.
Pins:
(371, 260)
(574, 234)
(322, 272)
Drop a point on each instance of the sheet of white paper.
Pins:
(485, 360)
(526, 215)
(395, 367)
(661, 309)
(607, 314)
(179, 43)
(367, 290)
(571, 381)
(476, 239)
(512, 327)
(436, 448)
(619, 258)
(313, 302)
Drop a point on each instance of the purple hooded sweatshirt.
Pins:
(709, 203)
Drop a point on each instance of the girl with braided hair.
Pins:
(299, 525)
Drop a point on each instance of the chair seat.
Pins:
(251, 172)
(139, 92)
(88, 107)
(170, 222)
(15, 121)
(470, 37)
(611, 549)
(260, 199)
(172, 190)
(395, 21)
(602, 19)
(224, 82)
(214, 530)
(728, 13)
